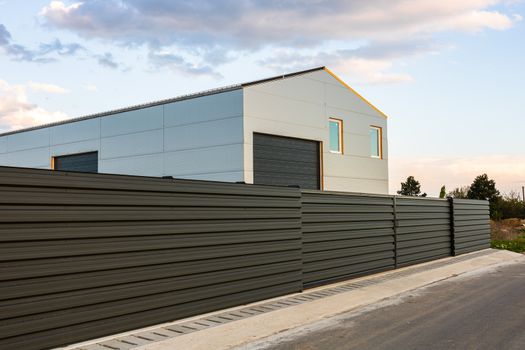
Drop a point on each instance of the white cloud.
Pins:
(433, 172)
(91, 87)
(254, 23)
(212, 32)
(17, 112)
(370, 71)
(49, 88)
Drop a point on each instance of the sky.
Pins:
(449, 74)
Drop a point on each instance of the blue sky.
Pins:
(449, 74)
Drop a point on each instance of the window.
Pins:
(376, 146)
(82, 162)
(336, 135)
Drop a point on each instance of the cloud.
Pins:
(17, 112)
(433, 172)
(255, 23)
(59, 48)
(91, 87)
(107, 60)
(21, 53)
(179, 64)
(212, 32)
(48, 88)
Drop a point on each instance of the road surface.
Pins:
(482, 311)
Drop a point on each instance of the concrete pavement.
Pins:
(481, 311)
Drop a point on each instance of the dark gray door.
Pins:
(83, 162)
(279, 160)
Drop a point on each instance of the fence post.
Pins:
(452, 228)
(395, 231)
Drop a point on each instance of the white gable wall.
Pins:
(199, 138)
(300, 107)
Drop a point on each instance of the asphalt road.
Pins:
(485, 311)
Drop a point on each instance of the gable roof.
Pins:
(190, 96)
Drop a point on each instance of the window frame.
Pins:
(341, 141)
(379, 141)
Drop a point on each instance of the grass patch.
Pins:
(516, 245)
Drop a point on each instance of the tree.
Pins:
(442, 192)
(485, 188)
(411, 187)
(459, 192)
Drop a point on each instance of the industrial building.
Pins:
(307, 128)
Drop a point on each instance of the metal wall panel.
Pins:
(87, 255)
(346, 235)
(423, 229)
(300, 107)
(471, 225)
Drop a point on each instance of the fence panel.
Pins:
(471, 225)
(87, 255)
(345, 235)
(423, 230)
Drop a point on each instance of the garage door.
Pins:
(279, 160)
(83, 162)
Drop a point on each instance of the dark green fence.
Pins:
(83, 256)
(471, 225)
(423, 229)
(87, 255)
(346, 235)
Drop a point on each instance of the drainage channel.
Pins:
(140, 338)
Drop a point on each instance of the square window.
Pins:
(336, 135)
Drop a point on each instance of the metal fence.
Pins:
(346, 235)
(423, 230)
(471, 229)
(86, 255)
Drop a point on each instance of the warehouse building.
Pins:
(307, 128)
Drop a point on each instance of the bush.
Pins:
(517, 245)
(509, 206)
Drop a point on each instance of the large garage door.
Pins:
(279, 160)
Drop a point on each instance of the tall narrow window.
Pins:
(376, 147)
(336, 135)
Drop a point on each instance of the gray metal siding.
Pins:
(423, 229)
(345, 235)
(285, 161)
(471, 225)
(85, 255)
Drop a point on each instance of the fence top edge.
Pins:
(130, 180)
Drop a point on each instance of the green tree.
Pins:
(510, 206)
(411, 187)
(442, 192)
(485, 188)
(459, 192)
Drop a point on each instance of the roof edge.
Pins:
(355, 92)
(127, 109)
(190, 96)
(284, 76)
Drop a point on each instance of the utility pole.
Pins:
(523, 193)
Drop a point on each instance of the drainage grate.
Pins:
(165, 332)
